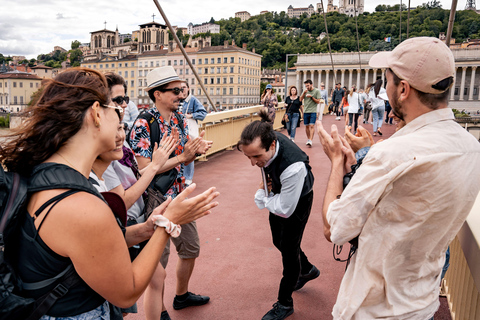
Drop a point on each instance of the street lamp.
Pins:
(286, 74)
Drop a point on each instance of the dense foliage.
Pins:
(273, 35)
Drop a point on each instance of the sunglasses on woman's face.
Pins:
(120, 99)
(176, 91)
(118, 110)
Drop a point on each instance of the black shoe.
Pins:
(191, 300)
(304, 278)
(165, 316)
(278, 312)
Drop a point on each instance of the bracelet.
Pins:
(171, 228)
(176, 157)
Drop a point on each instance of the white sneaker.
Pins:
(188, 182)
(293, 140)
(337, 118)
(309, 142)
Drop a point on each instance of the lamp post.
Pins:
(286, 74)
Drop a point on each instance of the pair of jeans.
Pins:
(287, 236)
(353, 117)
(293, 119)
(188, 171)
(377, 115)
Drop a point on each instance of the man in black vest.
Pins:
(288, 196)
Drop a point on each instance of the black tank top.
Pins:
(35, 261)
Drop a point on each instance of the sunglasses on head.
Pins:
(120, 99)
(176, 91)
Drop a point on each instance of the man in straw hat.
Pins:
(410, 196)
(164, 87)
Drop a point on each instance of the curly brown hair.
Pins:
(57, 114)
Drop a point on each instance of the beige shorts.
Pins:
(187, 244)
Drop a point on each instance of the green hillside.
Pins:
(275, 34)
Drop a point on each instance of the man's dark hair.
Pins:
(338, 84)
(159, 88)
(258, 128)
(431, 100)
(114, 79)
(308, 81)
(186, 82)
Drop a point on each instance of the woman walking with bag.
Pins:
(353, 108)
(294, 107)
(269, 101)
(378, 106)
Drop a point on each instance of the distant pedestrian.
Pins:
(294, 107)
(311, 96)
(337, 97)
(269, 101)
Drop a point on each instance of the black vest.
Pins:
(288, 153)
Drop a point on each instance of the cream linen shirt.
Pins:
(407, 201)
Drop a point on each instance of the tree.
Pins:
(212, 20)
(75, 57)
(75, 44)
(126, 40)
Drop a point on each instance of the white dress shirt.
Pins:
(407, 201)
(284, 203)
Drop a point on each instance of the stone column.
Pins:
(383, 76)
(472, 83)
(319, 77)
(343, 77)
(298, 81)
(366, 78)
(462, 84)
(327, 82)
(359, 72)
(452, 93)
(304, 79)
(350, 74)
(374, 75)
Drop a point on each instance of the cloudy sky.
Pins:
(29, 27)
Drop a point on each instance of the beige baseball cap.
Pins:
(422, 62)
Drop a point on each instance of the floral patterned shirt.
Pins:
(140, 142)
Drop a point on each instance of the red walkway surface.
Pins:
(239, 268)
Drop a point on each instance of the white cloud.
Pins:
(49, 23)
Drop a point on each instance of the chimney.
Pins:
(225, 44)
(170, 46)
(244, 46)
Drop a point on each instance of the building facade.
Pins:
(152, 36)
(243, 15)
(125, 66)
(297, 12)
(203, 28)
(349, 70)
(348, 7)
(16, 90)
(43, 71)
(102, 41)
(230, 74)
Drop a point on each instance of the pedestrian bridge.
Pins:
(240, 269)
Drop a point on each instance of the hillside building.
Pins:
(203, 28)
(243, 15)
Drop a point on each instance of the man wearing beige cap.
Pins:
(164, 87)
(410, 196)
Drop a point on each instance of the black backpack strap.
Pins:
(54, 200)
(154, 129)
(44, 303)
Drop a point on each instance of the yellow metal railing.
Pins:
(224, 128)
(462, 280)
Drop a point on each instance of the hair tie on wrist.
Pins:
(171, 228)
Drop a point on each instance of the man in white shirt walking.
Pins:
(411, 194)
(286, 191)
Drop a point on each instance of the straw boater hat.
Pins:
(160, 76)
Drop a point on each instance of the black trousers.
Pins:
(287, 236)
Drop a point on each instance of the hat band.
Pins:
(164, 81)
